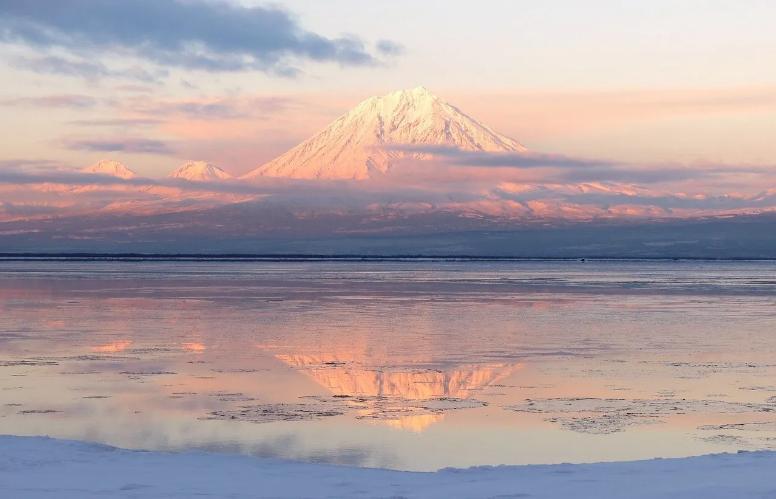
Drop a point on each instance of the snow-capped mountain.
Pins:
(200, 171)
(362, 143)
(110, 167)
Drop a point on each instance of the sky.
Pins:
(646, 81)
(662, 85)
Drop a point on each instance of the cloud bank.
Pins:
(210, 36)
(493, 199)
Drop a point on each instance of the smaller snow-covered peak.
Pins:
(199, 171)
(110, 167)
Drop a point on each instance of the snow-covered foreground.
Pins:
(32, 467)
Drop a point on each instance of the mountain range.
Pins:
(322, 196)
(366, 142)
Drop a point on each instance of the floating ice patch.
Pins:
(268, 413)
(231, 397)
(751, 426)
(38, 411)
(725, 439)
(601, 416)
(27, 362)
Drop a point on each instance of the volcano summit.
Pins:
(363, 143)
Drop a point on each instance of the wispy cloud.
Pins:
(630, 175)
(220, 108)
(16, 172)
(117, 122)
(120, 144)
(67, 101)
(389, 48)
(29, 163)
(84, 68)
(571, 169)
(205, 35)
(499, 159)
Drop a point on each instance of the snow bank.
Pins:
(38, 467)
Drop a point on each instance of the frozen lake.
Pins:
(404, 365)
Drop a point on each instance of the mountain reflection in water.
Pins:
(345, 376)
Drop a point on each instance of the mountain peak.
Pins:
(199, 171)
(419, 92)
(361, 143)
(110, 167)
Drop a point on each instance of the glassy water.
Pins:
(402, 365)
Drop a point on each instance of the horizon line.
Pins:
(346, 257)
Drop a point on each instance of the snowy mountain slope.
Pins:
(199, 171)
(358, 145)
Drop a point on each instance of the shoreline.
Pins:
(43, 467)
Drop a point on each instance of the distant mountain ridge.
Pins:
(359, 144)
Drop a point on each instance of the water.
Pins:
(406, 365)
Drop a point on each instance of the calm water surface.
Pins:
(402, 365)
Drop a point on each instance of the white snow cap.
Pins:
(200, 171)
(110, 167)
(357, 145)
